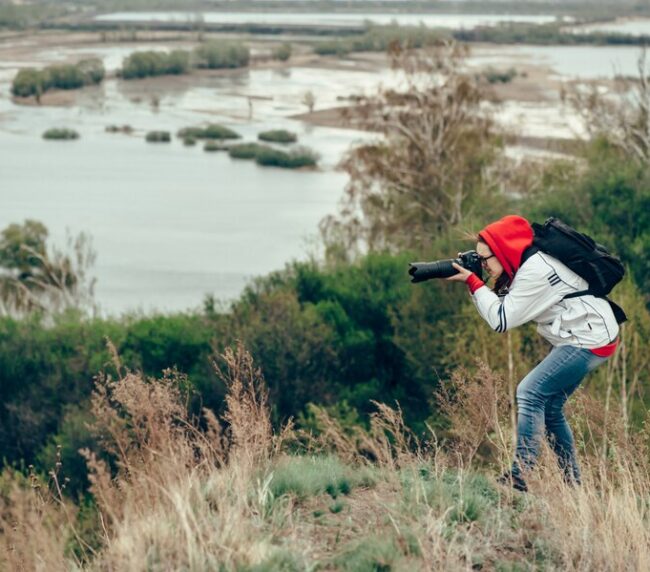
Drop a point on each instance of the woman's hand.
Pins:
(462, 276)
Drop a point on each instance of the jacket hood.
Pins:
(508, 238)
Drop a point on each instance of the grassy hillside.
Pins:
(174, 492)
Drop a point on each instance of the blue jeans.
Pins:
(541, 396)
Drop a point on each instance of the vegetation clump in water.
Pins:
(146, 64)
(34, 82)
(158, 137)
(211, 131)
(61, 133)
(282, 52)
(216, 55)
(278, 136)
(294, 159)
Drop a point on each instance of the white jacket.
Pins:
(536, 294)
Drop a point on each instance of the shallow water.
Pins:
(630, 27)
(171, 224)
(570, 62)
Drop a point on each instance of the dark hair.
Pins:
(502, 283)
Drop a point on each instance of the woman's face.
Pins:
(490, 262)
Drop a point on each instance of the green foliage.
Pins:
(211, 146)
(371, 554)
(150, 63)
(610, 200)
(61, 133)
(381, 38)
(158, 137)
(246, 150)
(215, 55)
(28, 82)
(268, 156)
(493, 75)
(551, 33)
(282, 52)
(278, 136)
(463, 498)
(305, 477)
(36, 82)
(211, 131)
(21, 16)
(297, 158)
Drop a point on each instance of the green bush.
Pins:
(61, 133)
(212, 146)
(216, 55)
(212, 131)
(158, 137)
(148, 64)
(282, 52)
(28, 82)
(70, 76)
(246, 150)
(278, 136)
(294, 159)
(333, 48)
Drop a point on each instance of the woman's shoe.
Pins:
(514, 481)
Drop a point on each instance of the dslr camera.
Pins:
(421, 271)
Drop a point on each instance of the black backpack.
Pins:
(584, 256)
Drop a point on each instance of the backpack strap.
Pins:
(619, 313)
(526, 254)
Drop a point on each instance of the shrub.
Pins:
(119, 129)
(295, 159)
(215, 55)
(212, 131)
(147, 64)
(282, 52)
(92, 70)
(212, 146)
(189, 141)
(28, 82)
(495, 76)
(158, 137)
(278, 136)
(246, 150)
(61, 134)
(332, 48)
(35, 82)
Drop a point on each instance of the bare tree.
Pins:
(621, 116)
(431, 165)
(35, 278)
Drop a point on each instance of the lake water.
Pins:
(627, 26)
(324, 19)
(568, 62)
(171, 224)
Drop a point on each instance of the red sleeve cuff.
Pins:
(474, 283)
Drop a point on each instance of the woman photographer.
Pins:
(582, 330)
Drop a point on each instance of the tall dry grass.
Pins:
(176, 492)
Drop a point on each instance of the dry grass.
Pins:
(177, 492)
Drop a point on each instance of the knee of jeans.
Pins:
(527, 396)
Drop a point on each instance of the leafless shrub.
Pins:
(621, 116)
(431, 165)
